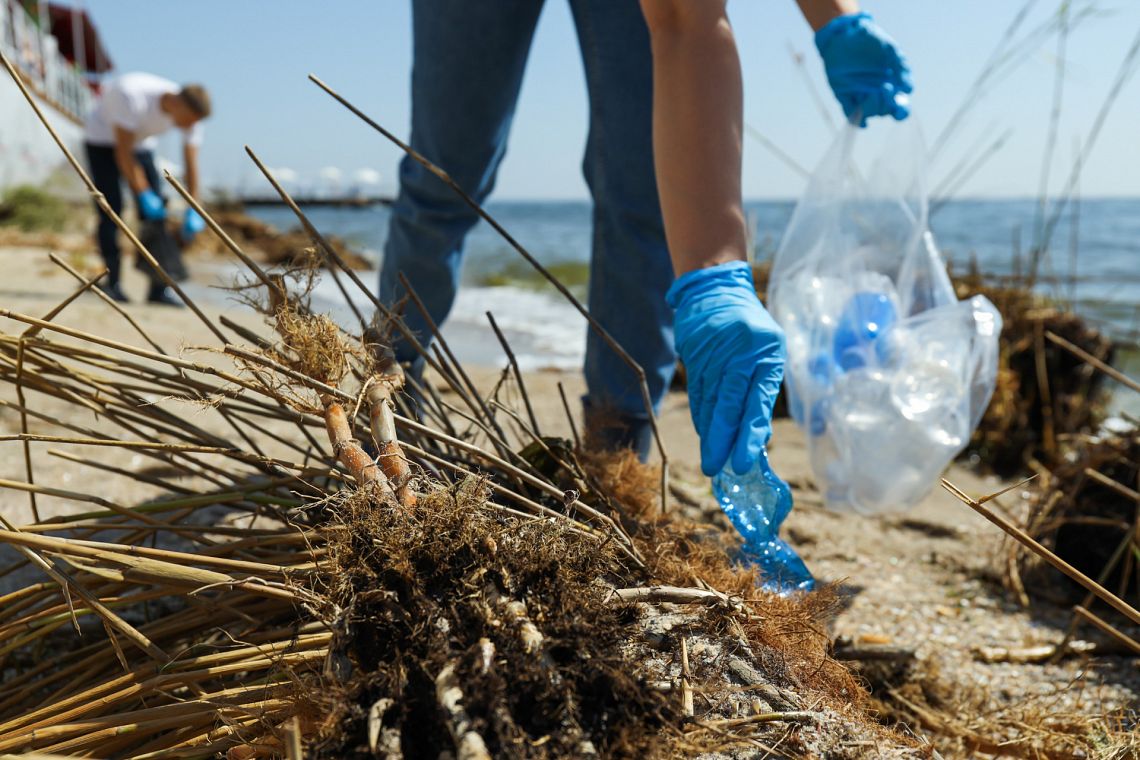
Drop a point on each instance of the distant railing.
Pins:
(53, 77)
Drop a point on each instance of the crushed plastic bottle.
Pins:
(757, 504)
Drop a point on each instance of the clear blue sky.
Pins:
(254, 56)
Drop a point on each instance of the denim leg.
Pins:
(630, 268)
(468, 66)
(105, 175)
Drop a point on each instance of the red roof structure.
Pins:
(77, 36)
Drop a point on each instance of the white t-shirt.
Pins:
(134, 102)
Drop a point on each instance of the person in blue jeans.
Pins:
(469, 59)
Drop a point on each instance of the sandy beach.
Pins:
(921, 581)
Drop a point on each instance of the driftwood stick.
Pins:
(675, 595)
(795, 716)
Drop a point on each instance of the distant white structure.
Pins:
(57, 53)
(285, 175)
(330, 180)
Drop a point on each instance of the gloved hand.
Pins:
(151, 206)
(865, 69)
(734, 359)
(192, 224)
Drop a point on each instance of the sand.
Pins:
(923, 580)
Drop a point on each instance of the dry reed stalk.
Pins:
(569, 416)
(142, 569)
(518, 374)
(1028, 542)
(317, 237)
(126, 348)
(1115, 633)
(107, 695)
(250, 264)
(93, 656)
(69, 584)
(85, 734)
(1085, 356)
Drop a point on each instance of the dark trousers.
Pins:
(107, 178)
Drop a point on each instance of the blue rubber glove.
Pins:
(192, 224)
(865, 69)
(151, 206)
(734, 360)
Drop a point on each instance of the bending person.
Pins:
(121, 131)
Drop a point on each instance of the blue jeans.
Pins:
(469, 63)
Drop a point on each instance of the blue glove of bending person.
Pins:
(865, 69)
(192, 224)
(151, 206)
(734, 359)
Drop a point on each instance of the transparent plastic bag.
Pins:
(888, 372)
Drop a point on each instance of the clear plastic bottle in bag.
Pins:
(757, 503)
(887, 371)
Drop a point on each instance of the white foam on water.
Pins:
(543, 330)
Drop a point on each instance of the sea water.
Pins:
(757, 503)
(559, 234)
